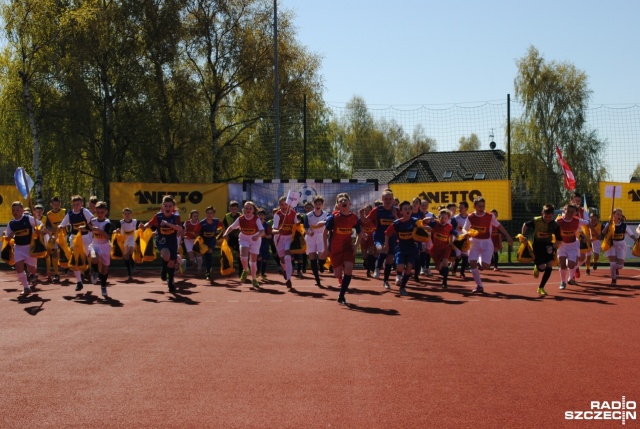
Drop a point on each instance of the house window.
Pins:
(480, 176)
(447, 174)
(412, 175)
(468, 176)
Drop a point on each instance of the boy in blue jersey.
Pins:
(208, 231)
(168, 225)
(407, 249)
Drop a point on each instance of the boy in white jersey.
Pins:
(314, 228)
(100, 247)
(128, 228)
(78, 219)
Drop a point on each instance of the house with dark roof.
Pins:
(455, 166)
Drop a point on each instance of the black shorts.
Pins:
(543, 253)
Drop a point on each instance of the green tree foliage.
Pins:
(555, 96)
(469, 143)
(172, 91)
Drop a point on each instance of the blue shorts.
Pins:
(406, 256)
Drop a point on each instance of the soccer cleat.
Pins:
(342, 301)
(56, 278)
(613, 282)
(94, 278)
(423, 272)
(207, 276)
(79, 287)
(163, 276)
(563, 285)
(376, 273)
(536, 272)
(444, 286)
(496, 269)
(542, 292)
(572, 282)
(595, 266)
(429, 274)
(26, 292)
(478, 289)
(172, 288)
(299, 275)
(386, 285)
(288, 283)
(255, 284)
(577, 273)
(588, 272)
(368, 273)
(243, 276)
(398, 280)
(104, 291)
(403, 291)
(264, 277)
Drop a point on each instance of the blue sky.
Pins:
(426, 52)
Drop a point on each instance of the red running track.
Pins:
(227, 356)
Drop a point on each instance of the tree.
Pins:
(469, 143)
(636, 172)
(554, 96)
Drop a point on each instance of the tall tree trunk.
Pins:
(26, 93)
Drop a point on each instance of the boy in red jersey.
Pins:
(283, 222)
(343, 250)
(569, 251)
(481, 245)
(442, 235)
(250, 239)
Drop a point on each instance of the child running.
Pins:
(545, 228)
(618, 250)
(54, 218)
(78, 219)
(407, 251)
(168, 224)
(442, 235)
(343, 250)
(314, 223)
(128, 228)
(250, 238)
(20, 228)
(283, 222)
(481, 244)
(568, 252)
(100, 247)
(191, 232)
(208, 231)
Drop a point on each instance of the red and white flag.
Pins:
(569, 178)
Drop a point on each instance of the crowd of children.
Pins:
(392, 235)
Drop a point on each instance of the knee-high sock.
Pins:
(346, 279)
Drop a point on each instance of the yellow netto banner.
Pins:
(497, 194)
(145, 199)
(627, 198)
(9, 194)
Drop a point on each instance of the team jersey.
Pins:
(22, 229)
(284, 221)
(208, 231)
(128, 228)
(568, 229)
(440, 234)
(105, 230)
(54, 219)
(404, 230)
(543, 232)
(191, 231)
(620, 230)
(311, 221)
(382, 219)
(483, 223)
(247, 226)
(78, 221)
(342, 227)
(165, 231)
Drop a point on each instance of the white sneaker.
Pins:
(94, 278)
(398, 280)
(376, 273)
(423, 272)
(428, 272)
(386, 285)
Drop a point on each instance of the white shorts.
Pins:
(246, 241)
(595, 246)
(619, 250)
(481, 248)
(102, 251)
(188, 244)
(283, 243)
(315, 243)
(21, 253)
(569, 251)
(130, 240)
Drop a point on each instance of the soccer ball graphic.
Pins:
(307, 194)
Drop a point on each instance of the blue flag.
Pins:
(24, 183)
